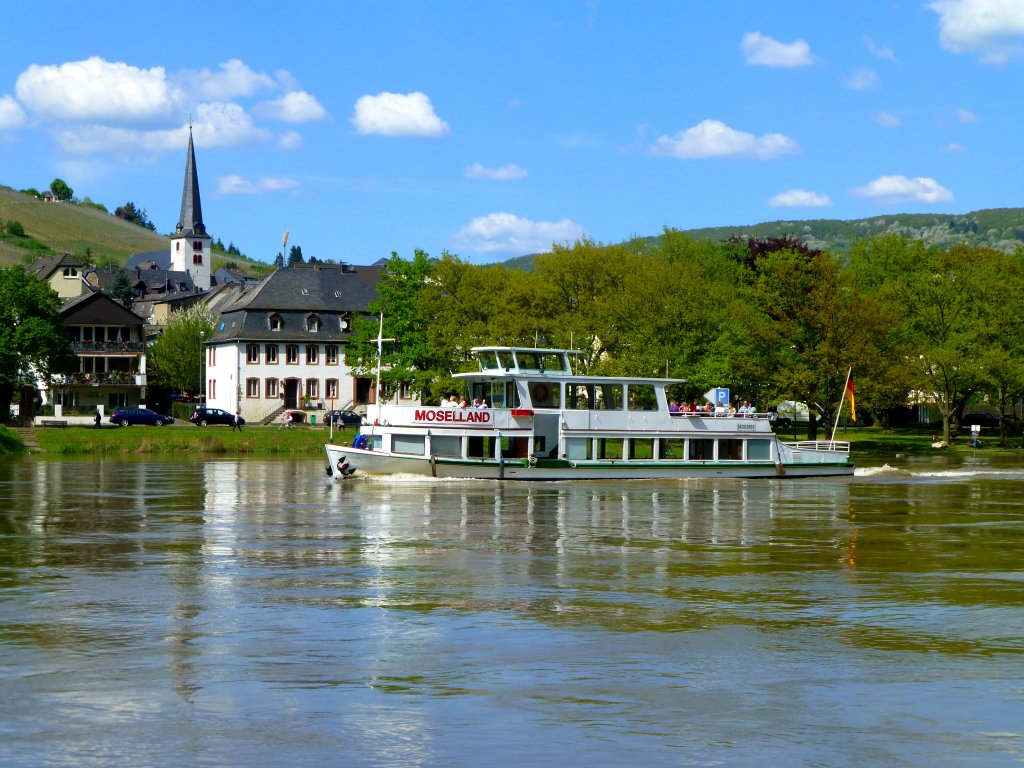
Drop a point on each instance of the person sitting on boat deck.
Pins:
(732, 409)
(483, 403)
(746, 409)
(463, 403)
(359, 441)
(476, 403)
(673, 407)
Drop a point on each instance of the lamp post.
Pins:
(202, 368)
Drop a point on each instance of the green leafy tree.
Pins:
(121, 291)
(15, 228)
(175, 359)
(130, 212)
(409, 359)
(32, 336)
(61, 190)
(295, 255)
(279, 260)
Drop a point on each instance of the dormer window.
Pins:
(70, 272)
(312, 323)
(276, 322)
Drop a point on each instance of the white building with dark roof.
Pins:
(279, 344)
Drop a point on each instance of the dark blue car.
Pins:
(126, 417)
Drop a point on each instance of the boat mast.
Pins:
(380, 354)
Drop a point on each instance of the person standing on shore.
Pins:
(97, 418)
(237, 423)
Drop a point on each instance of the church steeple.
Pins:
(190, 245)
(190, 220)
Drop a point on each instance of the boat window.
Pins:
(445, 446)
(641, 448)
(759, 450)
(609, 448)
(407, 444)
(579, 396)
(701, 449)
(506, 361)
(529, 361)
(609, 397)
(730, 449)
(672, 448)
(487, 360)
(553, 361)
(545, 394)
(578, 448)
(641, 397)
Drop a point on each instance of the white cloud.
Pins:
(234, 79)
(994, 29)
(861, 80)
(96, 90)
(397, 114)
(888, 120)
(900, 189)
(965, 116)
(799, 198)
(953, 148)
(764, 51)
(290, 140)
(712, 138)
(214, 125)
(236, 185)
(880, 52)
(11, 114)
(508, 233)
(509, 172)
(293, 107)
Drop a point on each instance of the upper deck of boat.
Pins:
(517, 362)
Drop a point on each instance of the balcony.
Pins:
(112, 378)
(107, 346)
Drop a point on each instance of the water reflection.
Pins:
(191, 609)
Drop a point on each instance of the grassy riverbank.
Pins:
(186, 440)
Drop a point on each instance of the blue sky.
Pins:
(492, 130)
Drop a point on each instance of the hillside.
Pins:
(86, 232)
(999, 228)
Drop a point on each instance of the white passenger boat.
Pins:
(544, 421)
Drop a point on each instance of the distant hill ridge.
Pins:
(90, 233)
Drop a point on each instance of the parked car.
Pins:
(343, 419)
(203, 416)
(990, 420)
(127, 416)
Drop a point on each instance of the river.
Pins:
(251, 613)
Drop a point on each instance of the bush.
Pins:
(15, 228)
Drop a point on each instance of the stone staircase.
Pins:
(27, 435)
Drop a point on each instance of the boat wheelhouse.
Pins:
(539, 419)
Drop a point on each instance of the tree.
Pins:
(15, 228)
(121, 291)
(32, 335)
(279, 260)
(61, 190)
(295, 255)
(175, 359)
(130, 212)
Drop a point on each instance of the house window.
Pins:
(331, 386)
(70, 272)
(211, 356)
(271, 388)
(312, 354)
(291, 354)
(197, 258)
(270, 352)
(331, 353)
(177, 246)
(312, 323)
(252, 353)
(275, 322)
(252, 387)
(211, 390)
(312, 388)
(197, 245)
(405, 390)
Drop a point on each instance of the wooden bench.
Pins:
(54, 423)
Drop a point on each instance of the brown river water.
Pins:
(252, 612)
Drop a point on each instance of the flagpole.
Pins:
(842, 399)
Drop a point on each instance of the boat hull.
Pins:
(383, 463)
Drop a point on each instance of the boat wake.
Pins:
(952, 474)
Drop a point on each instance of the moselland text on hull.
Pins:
(529, 416)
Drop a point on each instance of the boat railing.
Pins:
(840, 446)
(712, 415)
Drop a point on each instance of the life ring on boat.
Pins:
(539, 392)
